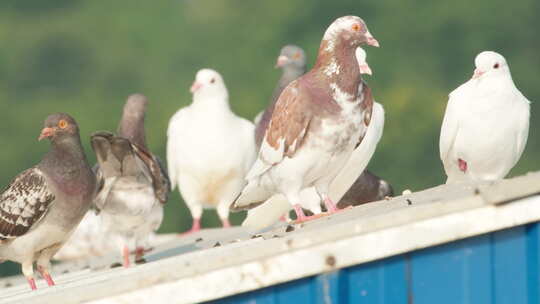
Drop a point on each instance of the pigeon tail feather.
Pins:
(360, 157)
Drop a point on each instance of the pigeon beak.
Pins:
(281, 61)
(371, 40)
(195, 86)
(46, 133)
(477, 73)
(365, 69)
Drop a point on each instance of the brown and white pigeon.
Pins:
(209, 149)
(317, 122)
(366, 188)
(42, 206)
(133, 184)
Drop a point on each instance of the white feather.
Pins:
(209, 148)
(486, 123)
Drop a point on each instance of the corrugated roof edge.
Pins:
(248, 265)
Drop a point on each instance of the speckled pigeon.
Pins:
(41, 207)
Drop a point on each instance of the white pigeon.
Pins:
(486, 123)
(209, 149)
(268, 213)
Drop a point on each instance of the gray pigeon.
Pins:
(292, 61)
(367, 188)
(44, 204)
(133, 184)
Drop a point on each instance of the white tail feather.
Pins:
(360, 157)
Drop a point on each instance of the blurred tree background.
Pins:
(86, 57)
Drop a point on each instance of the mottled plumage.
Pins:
(316, 123)
(43, 205)
(23, 203)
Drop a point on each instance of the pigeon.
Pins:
(42, 206)
(486, 124)
(209, 149)
(292, 60)
(317, 121)
(367, 187)
(88, 240)
(133, 185)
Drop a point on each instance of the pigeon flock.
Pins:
(307, 152)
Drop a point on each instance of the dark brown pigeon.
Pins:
(367, 188)
(292, 61)
(133, 184)
(44, 204)
(316, 123)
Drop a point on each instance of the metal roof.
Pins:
(232, 261)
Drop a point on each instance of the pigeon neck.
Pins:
(211, 103)
(337, 64)
(290, 74)
(65, 156)
(132, 127)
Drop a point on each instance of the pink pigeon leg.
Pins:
(32, 283)
(125, 254)
(330, 205)
(194, 228)
(45, 274)
(139, 253)
(226, 223)
(462, 165)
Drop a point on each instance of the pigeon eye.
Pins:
(62, 124)
(496, 66)
(296, 55)
(212, 80)
(356, 27)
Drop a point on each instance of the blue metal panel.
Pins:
(509, 266)
(533, 267)
(457, 272)
(379, 282)
(499, 268)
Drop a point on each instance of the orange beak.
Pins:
(281, 60)
(46, 133)
(195, 86)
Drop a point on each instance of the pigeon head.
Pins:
(131, 125)
(135, 105)
(59, 126)
(208, 82)
(489, 63)
(291, 56)
(362, 63)
(349, 31)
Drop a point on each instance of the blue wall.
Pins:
(500, 267)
